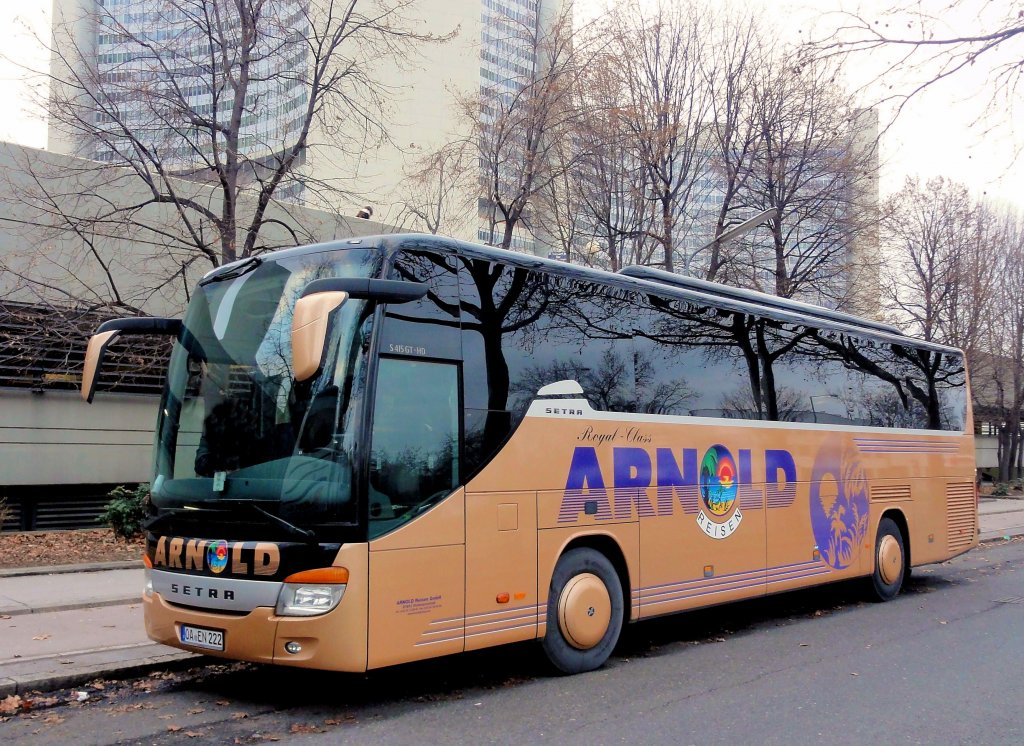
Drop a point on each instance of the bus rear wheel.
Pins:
(585, 611)
(890, 561)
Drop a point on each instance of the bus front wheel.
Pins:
(890, 561)
(585, 611)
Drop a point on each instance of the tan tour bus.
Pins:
(386, 449)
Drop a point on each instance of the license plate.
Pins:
(199, 637)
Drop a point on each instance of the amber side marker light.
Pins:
(312, 592)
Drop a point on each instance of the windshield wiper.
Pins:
(241, 268)
(293, 531)
(154, 522)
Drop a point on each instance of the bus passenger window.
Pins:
(414, 447)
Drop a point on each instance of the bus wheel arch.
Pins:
(890, 558)
(897, 517)
(585, 610)
(610, 548)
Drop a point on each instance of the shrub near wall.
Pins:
(126, 510)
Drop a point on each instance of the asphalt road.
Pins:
(942, 664)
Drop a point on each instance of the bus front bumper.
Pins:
(335, 641)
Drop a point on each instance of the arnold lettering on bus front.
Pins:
(219, 557)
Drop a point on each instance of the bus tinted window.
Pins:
(717, 362)
(688, 362)
(414, 447)
(585, 336)
(427, 327)
(497, 302)
(522, 330)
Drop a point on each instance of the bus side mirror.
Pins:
(321, 297)
(107, 332)
(309, 330)
(97, 348)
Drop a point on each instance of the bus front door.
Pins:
(416, 514)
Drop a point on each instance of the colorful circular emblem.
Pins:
(839, 503)
(217, 556)
(718, 484)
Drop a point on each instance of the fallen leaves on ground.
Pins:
(35, 548)
(305, 728)
(10, 705)
(338, 721)
(44, 636)
(130, 707)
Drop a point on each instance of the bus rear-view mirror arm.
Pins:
(320, 298)
(107, 332)
(382, 291)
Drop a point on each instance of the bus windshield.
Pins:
(235, 426)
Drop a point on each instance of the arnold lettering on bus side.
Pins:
(709, 487)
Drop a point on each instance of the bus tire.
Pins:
(890, 561)
(585, 611)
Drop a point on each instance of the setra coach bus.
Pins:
(386, 449)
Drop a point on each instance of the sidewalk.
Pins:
(61, 627)
(1000, 517)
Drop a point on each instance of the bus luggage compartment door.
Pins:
(501, 568)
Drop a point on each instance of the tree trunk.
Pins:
(666, 229)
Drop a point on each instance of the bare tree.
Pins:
(667, 106)
(970, 306)
(607, 181)
(1006, 342)
(809, 166)
(733, 71)
(955, 278)
(929, 231)
(440, 189)
(207, 117)
(559, 214)
(517, 120)
(930, 41)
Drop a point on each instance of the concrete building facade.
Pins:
(52, 444)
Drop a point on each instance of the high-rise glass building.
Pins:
(143, 51)
(152, 68)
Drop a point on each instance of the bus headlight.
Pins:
(312, 592)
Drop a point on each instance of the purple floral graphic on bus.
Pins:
(839, 503)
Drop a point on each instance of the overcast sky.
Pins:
(937, 134)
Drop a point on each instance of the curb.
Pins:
(19, 572)
(51, 681)
(1012, 533)
(134, 599)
